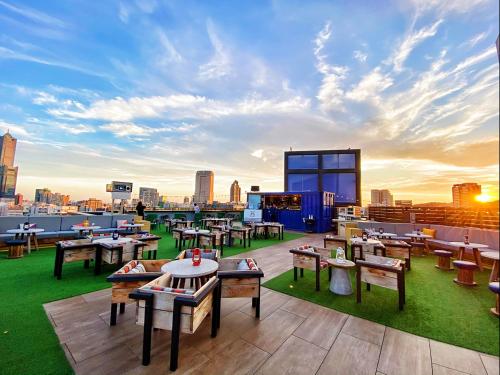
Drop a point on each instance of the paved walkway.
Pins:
(292, 337)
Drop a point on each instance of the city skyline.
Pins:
(233, 89)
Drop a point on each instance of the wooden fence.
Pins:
(458, 217)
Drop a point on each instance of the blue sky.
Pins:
(151, 91)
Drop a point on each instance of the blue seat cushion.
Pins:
(443, 253)
(465, 264)
(15, 242)
(495, 287)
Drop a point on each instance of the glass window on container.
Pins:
(330, 161)
(254, 201)
(302, 161)
(302, 182)
(339, 161)
(342, 184)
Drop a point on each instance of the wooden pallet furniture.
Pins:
(128, 278)
(382, 271)
(119, 253)
(313, 259)
(77, 251)
(359, 251)
(398, 249)
(237, 283)
(334, 242)
(151, 242)
(243, 234)
(212, 240)
(160, 306)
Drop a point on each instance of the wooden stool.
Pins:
(495, 288)
(16, 248)
(417, 248)
(465, 272)
(443, 260)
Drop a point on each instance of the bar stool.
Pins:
(16, 248)
(417, 248)
(495, 288)
(465, 274)
(443, 260)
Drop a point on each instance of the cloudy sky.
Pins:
(150, 91)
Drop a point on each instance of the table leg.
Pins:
(35, 240)
(340, 282)
(494, 271)
(29, 243)
(461, 253)
(477, 257)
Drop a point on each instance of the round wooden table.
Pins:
(494, 256)
(183, 269)
(341, 281)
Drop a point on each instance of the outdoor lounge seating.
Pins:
(16, 248)
(334, 242)
(131, 276)
(398, 249)
(76, 251)
(385, 272)
(178, 310)
(313, 259)
(495, 288)
(465, 274)
(359, 251)
(212, 240)
(241, 277)
(443, 260)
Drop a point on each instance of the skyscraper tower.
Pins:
(8, 173)
(235, 192)
(204, 187)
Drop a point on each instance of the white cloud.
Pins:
(43, 98)
(370, 86)
(123, 12)
(409, 43)
(476, 39)
(76, 128)
(34, 15)
(14, 129)
(219, 65)
(360, 56)
(147, 6)
(444, 7)
(171, 54)
(179, 106)
(330, 93)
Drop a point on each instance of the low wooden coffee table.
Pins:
(494, 256)
(341, 281)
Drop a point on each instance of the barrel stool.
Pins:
(417, 248)
(16, 248)
(443, 260)
(495, 288)
(465, 272)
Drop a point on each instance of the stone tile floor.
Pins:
(292, 337)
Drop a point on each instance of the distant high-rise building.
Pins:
(464, 194)
(8, 173)
(43, 195)
(149, 196)
(382, 198)
(18, 199)
(235, 192)
(204, 187)
(403, 202)
(93, 204)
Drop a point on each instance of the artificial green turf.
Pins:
(435, 307)
(28, 343)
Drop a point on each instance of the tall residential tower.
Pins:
(204, 187)
(235, 192)
(8, 173)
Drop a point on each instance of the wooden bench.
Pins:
(382, 271)
(176, 310)
(125, 282)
